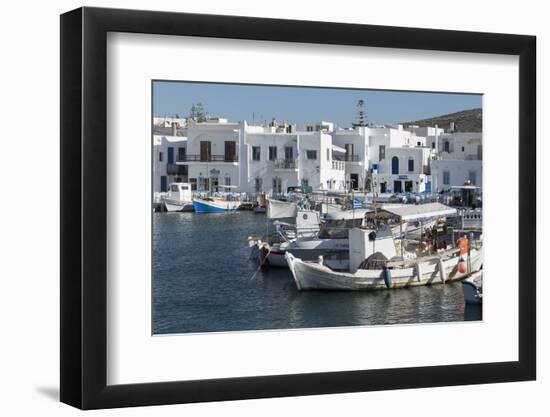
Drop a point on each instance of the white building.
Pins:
(459, 159)
(214, 149)
(272, 158)
(447, 173)
(281, 160)
(167, 151)
(259, 159)
(460, 145)
(404, 169)
(352, 147)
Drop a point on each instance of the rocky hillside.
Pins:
(465, 121)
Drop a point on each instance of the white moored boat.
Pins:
(379, 260)
(272, 251)
(178, 197)
(332, 241)
(397, 274)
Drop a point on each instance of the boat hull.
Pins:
(175, 205)
(315, 276)
(218, 206)
(472, 289)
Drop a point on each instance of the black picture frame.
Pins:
(84, 207)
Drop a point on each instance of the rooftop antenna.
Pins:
(361, 119)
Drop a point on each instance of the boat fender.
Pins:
(462, 266)
(387, 277)
(418, 272)
(441, 271)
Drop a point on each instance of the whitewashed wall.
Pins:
(458, 171)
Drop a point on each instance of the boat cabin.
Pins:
(337, 224)
(179, 191)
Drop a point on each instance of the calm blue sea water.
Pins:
(202, 282)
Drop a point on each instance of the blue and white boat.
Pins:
(214, 205)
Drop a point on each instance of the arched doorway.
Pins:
(395, 165)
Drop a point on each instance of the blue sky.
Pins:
(303, 104)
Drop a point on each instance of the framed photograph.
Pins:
(258, 208)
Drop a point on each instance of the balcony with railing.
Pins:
(175, 169)
(286, 164)
(208, 158)
(338, 165)
(346, 158)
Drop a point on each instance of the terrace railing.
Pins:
(286, 164)
(346, 158)
(174, 169)
(208, 158)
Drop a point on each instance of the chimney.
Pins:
(452, 126)
(174, 129)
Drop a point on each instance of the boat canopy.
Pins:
(347, 214)
(281, 209)
(411, 212)
(464, 187)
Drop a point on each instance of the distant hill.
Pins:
(465, 121)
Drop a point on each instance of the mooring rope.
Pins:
(261, 264)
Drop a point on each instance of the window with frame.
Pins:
(446, 178)
(311, 154)
(258, 184)
(193, 182)
(472, 177)
(272, 153)
(160, 156)
(289, 153)
(277, 185)
(182, 154)
(256, 153)
(411, 165)
(381, 152)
